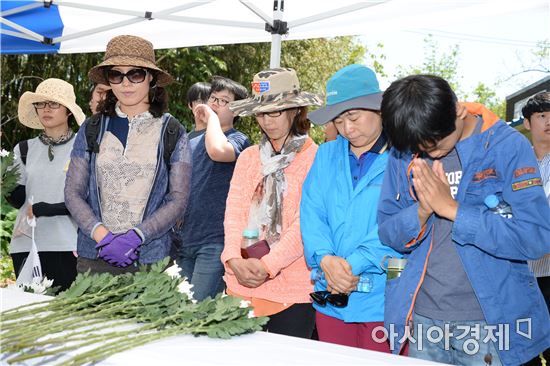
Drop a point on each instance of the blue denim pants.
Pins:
(453, 342)
(203, 268)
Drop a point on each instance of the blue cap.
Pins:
(352, 87)
(491, 201)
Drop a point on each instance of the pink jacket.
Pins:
(289, 281)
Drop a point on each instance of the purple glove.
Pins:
(122, 250)
(106, 240)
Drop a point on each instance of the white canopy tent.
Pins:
(79, 26)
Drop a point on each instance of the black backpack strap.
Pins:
(92, 131)
(23, 150)
(170, 139)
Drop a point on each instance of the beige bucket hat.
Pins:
(274, 90)
(129, 51)
(55, 90)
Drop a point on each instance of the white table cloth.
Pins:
(259, 348)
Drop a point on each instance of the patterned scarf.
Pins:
(267, 201)
(51, 142)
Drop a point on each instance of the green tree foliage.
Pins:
(445, 64)
(436, 62)
(486, 96)
(315, 60)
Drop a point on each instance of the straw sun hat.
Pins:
(274, 90)
(55, 90)
(129, 51)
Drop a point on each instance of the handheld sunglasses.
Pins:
(135, 76)
(323, 297)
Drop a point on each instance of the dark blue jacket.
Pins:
(492, 249)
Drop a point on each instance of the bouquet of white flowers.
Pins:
(87, 318)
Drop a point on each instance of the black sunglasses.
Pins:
(336, 300)
(135, 76)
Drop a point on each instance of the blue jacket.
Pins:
(167, 199)
(492, 249)
(336, 219)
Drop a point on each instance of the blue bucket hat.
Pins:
(352, 87)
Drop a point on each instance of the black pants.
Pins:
(296, 321)
(100, 266)
(544, 285)
(57, 266)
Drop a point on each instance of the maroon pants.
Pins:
(358, 335)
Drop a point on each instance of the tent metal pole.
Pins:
(27, 32)
(253, 8)
(140, 18)
(21, 9)
(17, 34)
(334, 13)
(275, 57)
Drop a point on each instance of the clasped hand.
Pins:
(120, 250)
(432, 191)
(249, 272)
(338, 274)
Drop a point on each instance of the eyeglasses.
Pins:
(336, 300)
(219, 101)
(270, 114)
(50, 104)
(135, 76)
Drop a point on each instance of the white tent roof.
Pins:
(87, 25)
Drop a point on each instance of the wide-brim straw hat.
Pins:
(55, 90)
(129, 51)
(274, 90)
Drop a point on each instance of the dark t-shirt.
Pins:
(446, 293)
(203, 219)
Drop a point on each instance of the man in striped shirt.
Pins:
(536, 113)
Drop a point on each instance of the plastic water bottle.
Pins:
(498, 207)
(250, 236)
(364, 285)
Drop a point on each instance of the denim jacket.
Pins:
(168, 197)
(493, 249)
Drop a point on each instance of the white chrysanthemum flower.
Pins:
(46, 282)
(244, 304)
(4, 153)
(251, 314)
(173, 271)
(185, 288)
(37, 287)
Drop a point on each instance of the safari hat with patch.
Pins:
(274, 90)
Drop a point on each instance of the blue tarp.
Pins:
(44, 21)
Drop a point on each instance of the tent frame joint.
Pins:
(47, 40)
(47, 3)
(278, 27)
(148, 15)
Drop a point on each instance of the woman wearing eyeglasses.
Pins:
(264, 198)
(42, 163)
(129, 177)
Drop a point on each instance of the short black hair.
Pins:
(198, 92)
(418, 110)
(537, 104)
(219, 83)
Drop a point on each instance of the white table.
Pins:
(259, 348)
